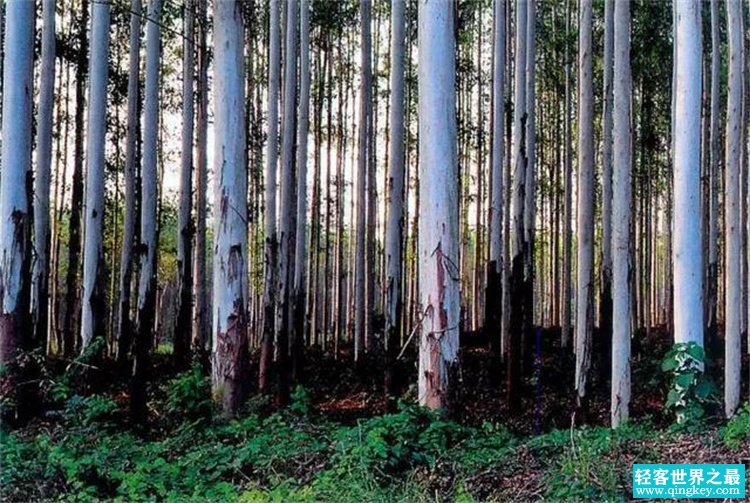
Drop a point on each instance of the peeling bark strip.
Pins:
(15, 221)
(438, 206)
(229, 350)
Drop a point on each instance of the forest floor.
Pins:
(336, 442)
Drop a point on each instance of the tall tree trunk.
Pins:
(200, 284)
(15, 187)
(92, 313)
(40, 278)
(300, 251)
(567, 239)
(438, 209)
(687, 253)
(124, 326)
(149, 217)
(185, 222)
(361, 270)
(529, 209)
(621, 219)
(74, 240)
(585, 296)
(517, 270)
(394, 240)
(732, 208)
(287, 204)
(270, 270)
(493, 307)
(229, 347)
(605, 295)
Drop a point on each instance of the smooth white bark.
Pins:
(16, 167)
(529, 211)
(300, 254)
(732, 216)
(40, 280)
(438, 203)
(92, 303)
(687, 239)
(621, 186)
(149, 180)
(498, 139)
(288, 184)
(584, 324)
(229, 339)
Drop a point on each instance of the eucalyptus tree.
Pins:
(124, 326)
(185, 222)
(567, 237)
(287, 205)
(229, 369)
(200, 284)
(92, 309)
(529, 210)
(517, 270)
(621, 218)
(394, 240)
(42, 179)
(148, 238)
(732, 212)
(438, 206)
(714, 159)
(687, 240)
(300, 251)
(605, 293)
(361, 320)
(15, 206)
(494, 273)
(584, 324)
(270, 264)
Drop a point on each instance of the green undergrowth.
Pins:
(86, 452)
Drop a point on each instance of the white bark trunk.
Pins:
(687, 239)
(584, 324)
(714, 156)
(93, 301)
(149, 181)
(498, 140)
(732, 205)
(395, 190)
(40, 280)
(128, 232)
(621, 320)
(16, 167)
(288, 184)
(300, 253)
(229, 348)
(438, 204)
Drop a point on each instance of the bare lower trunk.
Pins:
(229, 348)
(438, 207)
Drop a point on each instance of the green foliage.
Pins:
(737, 431)
(690, 387)
(189, 396)
(87, 411)
(301, 402)
(585, 467)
